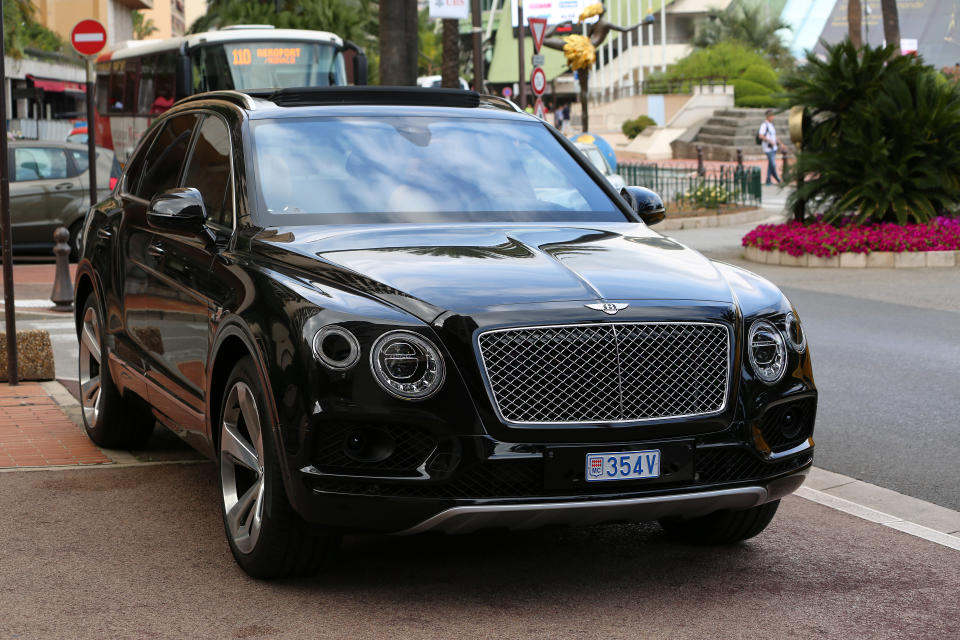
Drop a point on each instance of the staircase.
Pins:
(731, 129)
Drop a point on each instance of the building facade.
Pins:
(169, 17)
(115, 15)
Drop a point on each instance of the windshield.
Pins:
(597, 160)
(420, 169)
(267, 65)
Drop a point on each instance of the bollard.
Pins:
(700, 170)
(740, 160)
(62, 295)
(783, 171)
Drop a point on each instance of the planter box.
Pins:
(832, 261)
(910, 260)
(881, 259)
(941, 259)
(854, 260)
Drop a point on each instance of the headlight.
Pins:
(796, 338)
(336, 347)
(407, 365)
(766, 350)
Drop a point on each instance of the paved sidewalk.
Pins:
(35, 431)
(33, 284)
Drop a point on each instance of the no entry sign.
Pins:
(88, 37)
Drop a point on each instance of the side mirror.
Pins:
(646, 203)
(178, 210)
(359, 62)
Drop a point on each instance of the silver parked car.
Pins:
(595, 156)
(49, 188)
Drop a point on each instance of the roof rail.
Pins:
(236, 97)
(403, 96)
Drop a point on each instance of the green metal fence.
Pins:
(689, 189)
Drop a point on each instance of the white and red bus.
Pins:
(143, 79)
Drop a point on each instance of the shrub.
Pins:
(884, 140)
(822, 239)
(743, 88)
(705, 196)
(633, 128)
(728, 58)
(764, 76)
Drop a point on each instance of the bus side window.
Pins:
(103, 87)
(115, 103)
(165, 83)
(147, 84)
(132, 72)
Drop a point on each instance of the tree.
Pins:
(884, 137)
(22, 31)
(891, 23)
(748, 24)
(142, 28)
(353, 20)
(450, 69)
(399, 42)
(855, 23)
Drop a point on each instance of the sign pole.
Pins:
(91, 134)
(6, 243)
(521, 37)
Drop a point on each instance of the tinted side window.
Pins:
(103, 87)
(161, 165)
(166, 80)
(39, 164)
(209, 170)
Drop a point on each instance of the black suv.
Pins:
(404, 310)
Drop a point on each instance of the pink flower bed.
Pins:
(824, 240)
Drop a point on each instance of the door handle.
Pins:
(156, 250)
(63, 185)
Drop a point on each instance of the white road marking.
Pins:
(879, 517)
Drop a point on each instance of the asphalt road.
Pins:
(139, 552)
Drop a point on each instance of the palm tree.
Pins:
(891, 23)
(142, 28)
(450, 68)
(749, 24)
(399, 43)
(854, 23)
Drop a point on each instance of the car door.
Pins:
(39, 194)
(187, 259)
(165, 319)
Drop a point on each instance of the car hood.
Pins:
(465, 269)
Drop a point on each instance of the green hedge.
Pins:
(764, 76)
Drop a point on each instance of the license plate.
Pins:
(623, 465)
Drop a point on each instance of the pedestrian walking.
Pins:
(768, 142)
(566, 119)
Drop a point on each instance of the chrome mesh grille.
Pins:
(607, 372)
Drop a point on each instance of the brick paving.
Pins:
(35, 431)
(34, 281)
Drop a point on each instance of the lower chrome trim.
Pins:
(470, 518)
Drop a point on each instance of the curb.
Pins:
(872, 260)
(715, 220)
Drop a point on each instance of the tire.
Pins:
(108, 420)
(722, 527)
(268, 539)
(74, 241)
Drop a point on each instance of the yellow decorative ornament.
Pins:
(579, 51)
(591, 10)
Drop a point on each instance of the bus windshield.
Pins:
(266, 65)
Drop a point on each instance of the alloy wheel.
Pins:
(90, 365)
(241, 467)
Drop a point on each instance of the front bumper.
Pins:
(469, 518)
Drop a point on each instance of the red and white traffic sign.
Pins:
(538, 81)
(538, 27)
(88, 37)
(538, 109)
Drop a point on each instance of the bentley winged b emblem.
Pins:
(609, 308)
